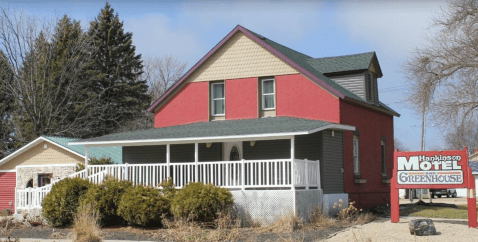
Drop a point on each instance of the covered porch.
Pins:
(266, 153)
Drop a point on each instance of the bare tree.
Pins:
(161, 73)
(399, 145)
(444, 74)
(47, 61)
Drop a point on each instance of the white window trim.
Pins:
(268, 94)
(356, 164)
(214, 99)
(383, 157)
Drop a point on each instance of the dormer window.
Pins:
(218, 99)
(268, 94)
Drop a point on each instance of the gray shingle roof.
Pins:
(243, 127)
(343, 63)
(330, 64)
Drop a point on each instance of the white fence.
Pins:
(229, 174)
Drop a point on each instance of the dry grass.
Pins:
(347, 217)
(287, 228)
(285, 224)
(6, 230)
(359, 237)
(225, 228)
(86, 228)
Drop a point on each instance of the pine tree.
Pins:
(6, 107)
(115, 70)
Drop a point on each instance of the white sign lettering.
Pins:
(436, 169)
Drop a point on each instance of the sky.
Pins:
(189, 29)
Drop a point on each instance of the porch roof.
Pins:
(214, 131)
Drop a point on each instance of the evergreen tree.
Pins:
(115, 70)
(6, 107)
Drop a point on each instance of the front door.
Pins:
(232, 151)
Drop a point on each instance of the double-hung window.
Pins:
(268, 94)
(356, 154)
(218, 99)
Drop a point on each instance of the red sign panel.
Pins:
(432, 170)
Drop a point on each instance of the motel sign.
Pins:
(432, 170)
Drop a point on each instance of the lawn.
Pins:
(460, 212)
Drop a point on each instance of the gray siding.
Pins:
(182, 153)
(308, 146)
(144, 154)
(213, 153)
(332, 162)
(267, 149)
(375, 89)
(354, 83)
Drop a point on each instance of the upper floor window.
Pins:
(356, 155)
(218, 99)
(268, 94)
(384, 163)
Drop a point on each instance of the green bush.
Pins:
(169, 190)
(106, 198)
(101, 161)
(202, 203)
(143, 206)
(61, 204)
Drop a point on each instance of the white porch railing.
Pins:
(229, 174)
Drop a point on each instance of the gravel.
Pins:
(383, 230)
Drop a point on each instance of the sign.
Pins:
(422, 169)
(432, 170)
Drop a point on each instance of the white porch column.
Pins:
(168, 159)
(86, 161)
(293, 175)
(196, 160)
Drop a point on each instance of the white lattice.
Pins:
(306, 202)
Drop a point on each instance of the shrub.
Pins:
(202, 203)
(106, 197)
(169, 190)
(143, 206)
(86, 228)
(101, 161)
(61, 204)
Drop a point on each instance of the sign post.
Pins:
(435, 170)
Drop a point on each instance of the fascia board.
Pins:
(212, 138)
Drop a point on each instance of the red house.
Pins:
(283, 130)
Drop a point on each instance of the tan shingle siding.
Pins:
(240, 57)
(38, 155)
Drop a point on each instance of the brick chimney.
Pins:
(475, 150)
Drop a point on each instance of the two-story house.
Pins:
(282, 130)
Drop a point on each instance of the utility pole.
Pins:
(423, 148)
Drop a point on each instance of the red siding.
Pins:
(7, 190)
(372, 126)
(189, 105)
(241, 98)
(299, 97)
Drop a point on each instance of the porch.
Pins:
(272, 166)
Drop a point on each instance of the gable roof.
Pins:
(242, 129)
(115, 152)
(345, 63)
(294, 58)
